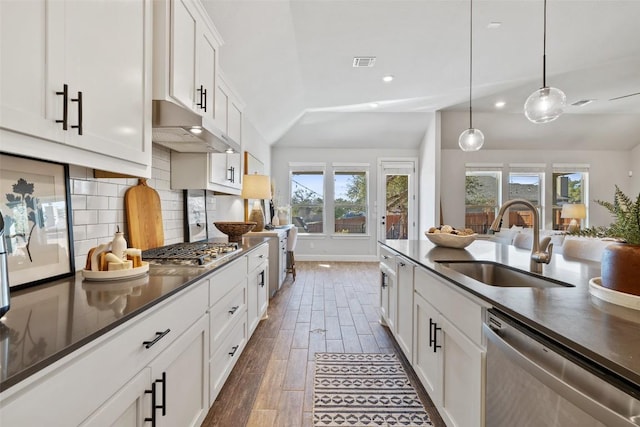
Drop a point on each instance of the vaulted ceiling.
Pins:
(291, 62)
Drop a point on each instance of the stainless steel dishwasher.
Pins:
(531, 381)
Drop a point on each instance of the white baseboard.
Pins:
(334, 258)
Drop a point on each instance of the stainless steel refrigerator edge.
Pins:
(4, 272)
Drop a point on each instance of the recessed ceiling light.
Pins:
(500, 104)
(387, 79)
(494, 25)
(374, 105)
(196, 129)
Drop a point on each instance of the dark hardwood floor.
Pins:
(332, 307)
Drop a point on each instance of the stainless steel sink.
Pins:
(494, 274)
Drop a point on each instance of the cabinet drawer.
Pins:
(226, 355)
(221, 282)
(96, 371)
(223, 314)
(388, 259)
(460, 310)
(257, 257)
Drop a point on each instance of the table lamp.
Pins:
(576, 212)
(256, 187)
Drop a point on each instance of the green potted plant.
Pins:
(620, 262)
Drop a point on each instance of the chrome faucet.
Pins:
(539, 253)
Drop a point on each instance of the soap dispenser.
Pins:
(119, 244)
(4, 272)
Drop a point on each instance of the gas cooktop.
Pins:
(190, 254)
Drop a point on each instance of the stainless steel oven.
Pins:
(531, 381)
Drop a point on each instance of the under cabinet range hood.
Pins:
(182, 130)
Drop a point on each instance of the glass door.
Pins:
(397, 200)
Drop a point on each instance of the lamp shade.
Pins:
(256, 187)
(574, 211)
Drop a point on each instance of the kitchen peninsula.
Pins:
(602, 332)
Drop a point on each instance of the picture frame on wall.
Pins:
(35, 206)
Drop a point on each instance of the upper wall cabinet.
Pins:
(228, 114)
(76, 84)
(185, 56)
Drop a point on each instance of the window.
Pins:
(569, 186)
(307, 200)
(528, 185)
(350, 201)
(482, 197)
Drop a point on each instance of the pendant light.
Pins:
(471, 139)
(547, 103)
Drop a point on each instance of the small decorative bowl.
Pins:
(447, 240)
(235, 230)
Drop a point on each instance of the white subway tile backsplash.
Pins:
(107, 189)
(96, 231)
(78, 201)
(85, 217)
(85, 187)
(97, 202)
(108, 217)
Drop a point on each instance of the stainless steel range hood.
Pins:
(176, 128)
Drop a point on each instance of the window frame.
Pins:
(485, 170)
(309, 167)
(566, 169)
(529, 170)
(351, 168)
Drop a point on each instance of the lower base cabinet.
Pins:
(171, 391)
(119, 380)
(448, 354)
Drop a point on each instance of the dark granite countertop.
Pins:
(601, 332)
(47, 322)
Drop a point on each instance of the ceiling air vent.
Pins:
(582, 102)
(364, 61)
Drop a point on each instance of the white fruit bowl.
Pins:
(447, 240)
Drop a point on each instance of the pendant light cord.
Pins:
(470, 56)
(544, 47)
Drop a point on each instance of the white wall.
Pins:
(607, 168)
(326, 247)
(429, 177)
(635, 171)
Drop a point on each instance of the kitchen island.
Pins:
(95, 335)
(603, 333)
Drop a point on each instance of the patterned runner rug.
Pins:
(361, 389)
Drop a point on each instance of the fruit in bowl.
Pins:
(450, 237)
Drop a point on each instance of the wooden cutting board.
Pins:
(144, 216)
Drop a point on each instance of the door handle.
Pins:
(152, 418)
(79, 101)
(65, 108)
(159, 336)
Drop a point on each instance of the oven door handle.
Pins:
(586, 400)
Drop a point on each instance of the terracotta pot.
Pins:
(621, 268)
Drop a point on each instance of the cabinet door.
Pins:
(234, 163)
(263, 291)
(183, 53)
(106, 65)
(28, 100)
(128, 407)
(426, 360)
(462, 374)
(221, 103)
(404, 322)
(206, 81)
(235, 122)
(388, 292)
(180, 374)
(258, 286)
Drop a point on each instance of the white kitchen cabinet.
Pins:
(404, 320)
(228, 109)
(448, 356)
(278, 239)
(388, 289)
(203, 171)
(186, 45)
(226, 170)
(76, 83)
(76, 386)
(180, 378)
(128, 407)
(257, 285)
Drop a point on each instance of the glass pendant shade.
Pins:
(545, 105)
(471, 140)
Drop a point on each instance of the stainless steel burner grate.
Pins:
(195, 253)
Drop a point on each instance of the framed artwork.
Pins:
(34, 203)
